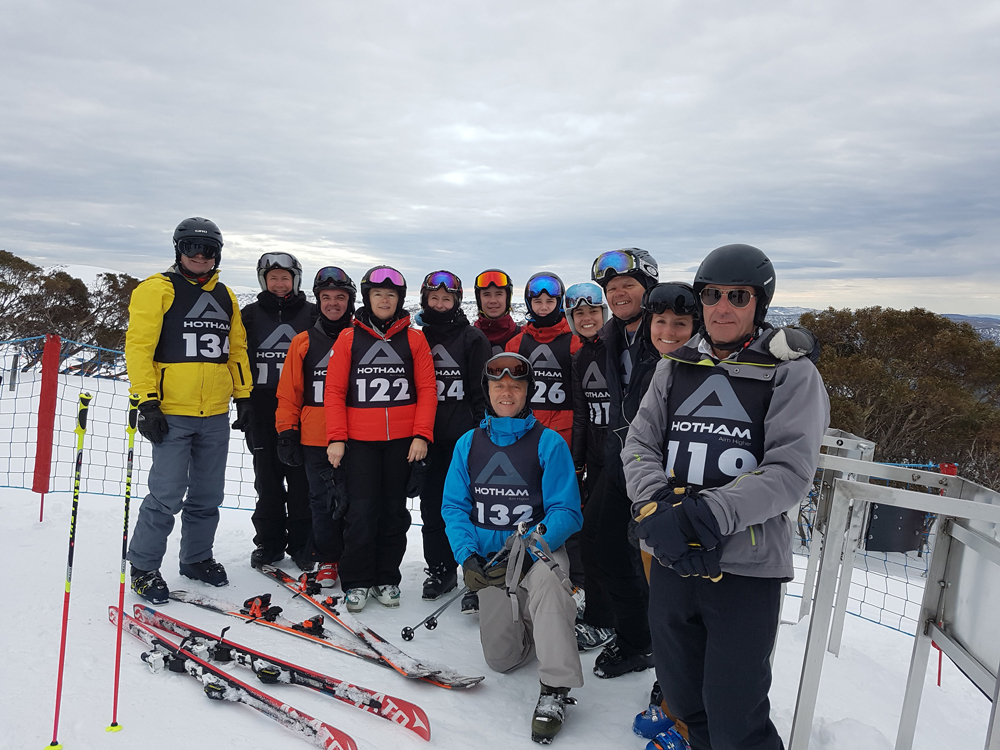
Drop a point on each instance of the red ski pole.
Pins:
(81, 430)
(133, 415)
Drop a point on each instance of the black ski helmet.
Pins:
(441, 280)
(383, 277)
(739, 265)
(332, 277)
(497, 278)
(197, 231)
(283, 261)
(548, 282)
(628, 261)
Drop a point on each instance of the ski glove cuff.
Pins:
(290, 448)
(244, 415)
(152, 424)
(678, 524)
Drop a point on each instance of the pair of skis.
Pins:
(198, 646)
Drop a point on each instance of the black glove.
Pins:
(152, 424)
(580, 477)
(290, 448)
(701, 563)
(336, 486)
(418, 478)
(679, 523)
(475, 576)
(244, 415)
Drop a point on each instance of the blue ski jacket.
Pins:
(561, 495)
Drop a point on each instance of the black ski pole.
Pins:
(81, 430)
(133, 416)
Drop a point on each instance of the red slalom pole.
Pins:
(133, 416)
(81, 430)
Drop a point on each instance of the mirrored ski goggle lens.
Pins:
(332, 274)
(548, 284)
(616, 261)
(515, 367)
(446, 279)
(277, 260)
(676, 298)
(190, 249)
(710, 297)
(391, 275)
(496, 278)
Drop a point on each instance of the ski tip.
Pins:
(115, 727)
(332, 738)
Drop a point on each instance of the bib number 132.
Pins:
(500, 515)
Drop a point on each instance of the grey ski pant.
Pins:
(188, 476)
(545, 627)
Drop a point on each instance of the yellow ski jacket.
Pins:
(193, 389)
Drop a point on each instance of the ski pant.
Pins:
(437, 550)
(326, 540)
(187, 476)
(574, 545)
(617, 592)
(377, 517)
(545, 626)
(282, 517)
(712, 646)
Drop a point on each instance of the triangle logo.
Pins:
(381, 354)
(442, 359)
(542, 357)
(500, 470)
(726, 404)
(280, 339)
(325, 362)
(593, 379)
(206, 308)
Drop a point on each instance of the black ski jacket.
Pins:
(590, 423)
(469, 348)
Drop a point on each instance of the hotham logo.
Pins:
(500, 470)
(593, 380)
(442, 359)
(280, 339)
(381, 355)
(206, 308)
(542, 358)
(728, 406)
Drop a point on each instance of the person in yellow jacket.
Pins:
(186, 353)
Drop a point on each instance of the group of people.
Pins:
(641, 441)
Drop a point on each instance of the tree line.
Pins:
(923, 388)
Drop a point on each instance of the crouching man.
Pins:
(512, 470)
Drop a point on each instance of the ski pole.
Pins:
(80, 430)
(430, 622)
(133, 415)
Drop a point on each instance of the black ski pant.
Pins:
(437, 550)
(617, 593)
(326, 542)
(575, 544)
(282, 518)
(377, 517)
(712, 646)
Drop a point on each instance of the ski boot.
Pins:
(439, 581)
(387, 596)
(668, 740)
(326, 575)
(356, 598)
(613, 663)
(550, 712)
(264, 555)
(208, 571)
(470, 603)
(588, 637)
(149, 584)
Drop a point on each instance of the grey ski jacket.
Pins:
(751, 509)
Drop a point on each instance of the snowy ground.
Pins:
(858, 707)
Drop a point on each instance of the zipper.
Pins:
(753, 538)
(163, 374)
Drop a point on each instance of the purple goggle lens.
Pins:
(446, 279)
(382, 275)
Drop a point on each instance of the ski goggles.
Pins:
(446, 279)
(383, 275)
(505, 363)
(710, 296)
(206, 248)
(332, 276)
(584, 294)
(676, 297)
(544, 283)
(277, 260)
(496, 278)
(619, 261)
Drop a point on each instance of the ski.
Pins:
(392, 655)
(258, 610)
(220, 685)
(270, 669)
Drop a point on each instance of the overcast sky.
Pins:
(856, 143)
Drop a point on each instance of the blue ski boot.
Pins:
(669, 740)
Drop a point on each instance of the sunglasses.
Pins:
(446, 279)
(675, 297)
(548, 284)
(496, 278)
(710, 297)
(584, 294)
(385, 274)
(512, 365)
(332, 275)
(206, 248)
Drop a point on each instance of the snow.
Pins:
(859, 699)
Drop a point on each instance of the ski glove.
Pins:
(336, 485)
(792, 342)
(418, 478)
(152, 424)
(244, 415)
(674, 523)
(701, 563)
(290, 448)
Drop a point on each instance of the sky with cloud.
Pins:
(855, 142)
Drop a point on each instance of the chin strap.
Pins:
(731, 346)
